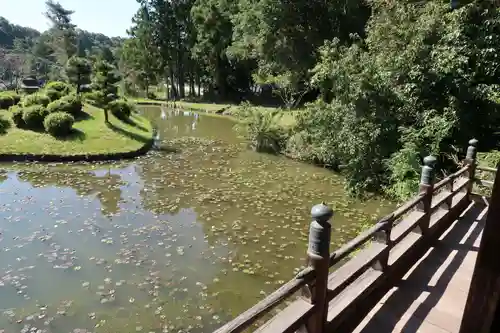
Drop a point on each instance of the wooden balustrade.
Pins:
(380, 247)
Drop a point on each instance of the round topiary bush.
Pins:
(34, 116)
(4, 125)
(58, 106)
(62, 87)
(70, 104)
(121, 109)
(74, 104)
(8, 99)
(59, 124)
(17, 116)
(53, 94)
(36, 99)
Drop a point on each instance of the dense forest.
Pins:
(377, 84)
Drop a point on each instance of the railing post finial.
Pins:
(426, 187)
(470, 160)
(427, 177)
(320, 230)
(472, 150)
(318, 253)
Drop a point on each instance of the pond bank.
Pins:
(226, 110)
(92, 140)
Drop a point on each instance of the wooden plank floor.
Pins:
(431, 297)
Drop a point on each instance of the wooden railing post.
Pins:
(470, 160)
(449, 187)
(426, 187)
(318, 254)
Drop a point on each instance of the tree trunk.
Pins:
(79, 79)
(106, 118)
(172, 84)
(181, 78)
(198, 83)
(191, 84)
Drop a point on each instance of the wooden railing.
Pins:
(385, 252)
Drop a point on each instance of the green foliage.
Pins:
(261, 128)
(17, 116)
(4, 125)
(34, 116)
(53, 94)
(91, 97)
(59, 86)
(121, 109)
(8, 99)
(35, 99)
(418, 84)
(74, 103)
(59, 124)
(70, 104)
(78, 70)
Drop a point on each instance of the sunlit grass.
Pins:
(91, 136)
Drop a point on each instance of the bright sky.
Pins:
(109, 17)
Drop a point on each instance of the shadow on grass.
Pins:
(132, 122)
(126, 133)
(75, 135)
(83, 116)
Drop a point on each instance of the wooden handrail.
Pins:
(376, 254)
(356, 243)
(247, 318)
(445, 181)
(409, 205)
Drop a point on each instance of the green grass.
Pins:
(91, 136)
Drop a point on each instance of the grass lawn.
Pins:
(91, 136)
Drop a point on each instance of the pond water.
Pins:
(180, 240)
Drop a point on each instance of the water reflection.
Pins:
(163, 243)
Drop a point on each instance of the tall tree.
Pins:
(63, 31)
(105, 83)
(212, 20)
(78, 70)
(139, 54)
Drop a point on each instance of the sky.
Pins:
(109, 17)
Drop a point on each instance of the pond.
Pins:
(180, 240)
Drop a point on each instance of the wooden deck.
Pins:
(432, 295)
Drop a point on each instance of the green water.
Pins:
(180, 240)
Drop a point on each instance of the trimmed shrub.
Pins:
(17, 116)
(36, 99)
(59, 124)
(91, 97)
(53, 94)
(121, 109)
(58, 106)
(74, 104)
(34, 116)
(59, 86)
(70, 104)
(4, 125)
(8, 99)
